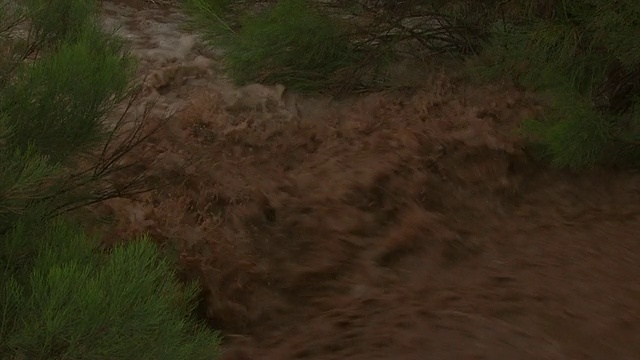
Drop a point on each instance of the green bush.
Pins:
(212, 19)
(63, 299)
(291, 44)
(57, 21)
(57, 105)
(53, 104)
(584, 56)
(572, 134)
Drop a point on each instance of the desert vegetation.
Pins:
(582, 57)
(63, 297)
(458, 217)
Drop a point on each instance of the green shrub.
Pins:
(572, 134)
(291, 44)
(58, 104)
(53, 109)
(584, 55)
(212, 20)
(63, 299)
(57, 21)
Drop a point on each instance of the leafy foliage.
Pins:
(583, 55)
(62, 300)
(293, 45)
(572, 135)
(67, 93)
(54, 101)
(61, 297)
(211, 19)
(57, 21)
(290, 43)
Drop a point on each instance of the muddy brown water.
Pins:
(391, 227)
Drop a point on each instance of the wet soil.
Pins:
(390, 226)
